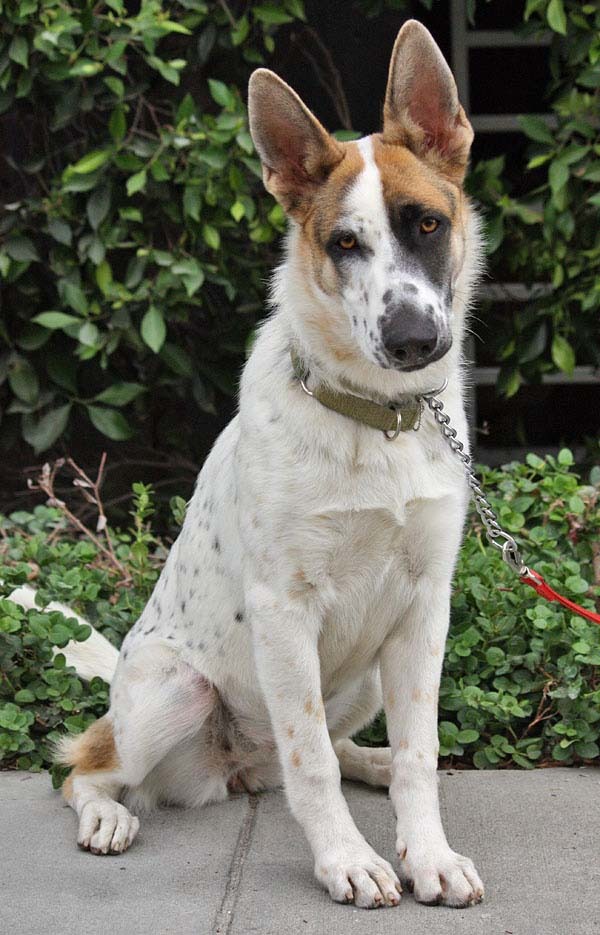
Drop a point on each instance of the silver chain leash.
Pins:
(496, 535)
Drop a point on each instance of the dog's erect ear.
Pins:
(296, 152)
(422, 110)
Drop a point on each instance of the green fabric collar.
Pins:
(390, 419)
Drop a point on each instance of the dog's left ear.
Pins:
(422, 110)
(296, 151)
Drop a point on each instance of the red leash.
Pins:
(535, 581)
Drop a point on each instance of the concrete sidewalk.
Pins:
(243, 867)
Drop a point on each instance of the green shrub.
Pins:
(134, 249)
(520, 683)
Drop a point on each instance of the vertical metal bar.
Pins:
(460, 68)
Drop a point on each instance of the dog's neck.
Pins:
(304, 310)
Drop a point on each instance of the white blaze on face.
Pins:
(381, 270)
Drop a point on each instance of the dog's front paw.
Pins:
(358, 875)
(440, 876)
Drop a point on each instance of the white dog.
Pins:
(310, 583)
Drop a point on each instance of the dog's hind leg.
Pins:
(372, 765)
(157, 702)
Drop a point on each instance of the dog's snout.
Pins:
(412, 338)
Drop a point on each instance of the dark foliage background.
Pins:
(136, 237)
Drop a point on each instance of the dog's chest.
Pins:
(366, 571)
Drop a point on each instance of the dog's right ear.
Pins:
(296, 151)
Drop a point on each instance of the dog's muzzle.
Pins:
(412, 339)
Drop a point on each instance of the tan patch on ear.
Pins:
(296, 760)
(95, 749)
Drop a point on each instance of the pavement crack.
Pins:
(224, 917)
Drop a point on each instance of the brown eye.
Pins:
(429, 225)
(347, 242)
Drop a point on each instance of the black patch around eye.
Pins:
(429, 252)
(341, 254)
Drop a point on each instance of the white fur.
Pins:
(93, 657)
(313, 569)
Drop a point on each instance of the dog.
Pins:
(310, 584)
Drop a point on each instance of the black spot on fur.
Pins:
(149, 630)
(217, 545)
(183, 607)
(201, 645)
(410, 288)
(387, 296)
(429, 309)
(239, 616)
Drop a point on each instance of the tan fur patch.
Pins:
(405, 177)
(95, 749)
(296, 760)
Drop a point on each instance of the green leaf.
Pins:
(272, 15)
(97, 206)
(136, 182)
(75, 297)
(556, 16)
(220, 93)
(23, 380)
(60, 231)
(104, 277)
(211, 236)
(110, 422)
(54, 320)
(18, 51)
(21, 248)
(117, 125)
(85, 68)
(558, 175)
(88, 334)
(90, 162)
(565, 457)
(153, 329)
(237, 211)
(120, 394)
(42, 433)
(576, 584)
(536, 129)
(563, 354)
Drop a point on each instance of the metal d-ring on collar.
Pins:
(390, 435)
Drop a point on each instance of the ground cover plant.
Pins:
(520, 686)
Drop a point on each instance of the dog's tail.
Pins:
(92, 657)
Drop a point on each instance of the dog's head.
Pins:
(381, 221)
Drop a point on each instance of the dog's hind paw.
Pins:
(105, 827)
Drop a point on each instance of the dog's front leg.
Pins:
(411, 664)
(286, 651)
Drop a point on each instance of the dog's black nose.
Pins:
(412, 338)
